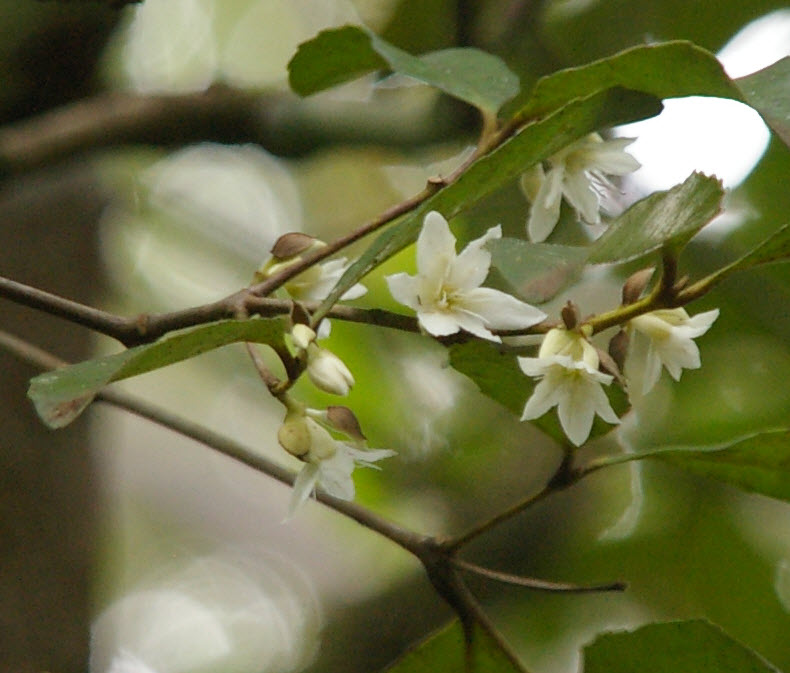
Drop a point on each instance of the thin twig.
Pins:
(533, 583)
(476, 613)
(40, 359)
(563, 477)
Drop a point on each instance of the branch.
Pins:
(278, 122)
(564, 477)
(147, 328)
(408, 540)
(115, 118)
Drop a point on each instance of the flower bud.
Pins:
(327, 371)
(344, 420)
(302, 336)
(570, 315)
(294, 435)
(560, 341)
(635, 285)
(618, 348)
(294, 243)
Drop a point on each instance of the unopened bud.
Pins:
(570, 315)
(345, 421)
(294, 435)
(608, 365)
(618, 348)
(327, 371)
(635, 285)
(292, 244)
(302, 336)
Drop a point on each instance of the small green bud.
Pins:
(294, 435)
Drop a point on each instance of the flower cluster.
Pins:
(328, 462)
(568, 367)
(448, 296)
(578, 174)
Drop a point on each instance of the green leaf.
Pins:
(62, 394)
(694, 646)
(470, 75)
(536, 271)
(533, 143)
(768, 92)
(498, 376)
(445, 651)
(758, 464)
(669, 218)
(331, 58)
(666, 70)
(342, 54)
(775, 248)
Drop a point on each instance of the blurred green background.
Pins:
(182, 562)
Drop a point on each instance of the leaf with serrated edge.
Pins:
(693, 646)
(61, 395)
(665, 70)
(668, 218)
(341, 54)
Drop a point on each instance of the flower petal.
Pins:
(474, 324)
(470, 268)
(610, 157)
(534, 366)
(335, 474)
(499, 309)
(603, 407)
(580, 194)
(404, 289)
(576, 410)
(354, 292)
(303, 486)
(544, 397)
(545, 211)
(435, 247)
(438, 323)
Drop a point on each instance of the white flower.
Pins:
(578, 173)
(671, 333)
(315, 283)
(329, 462)
(568, 366)
(446, 292)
